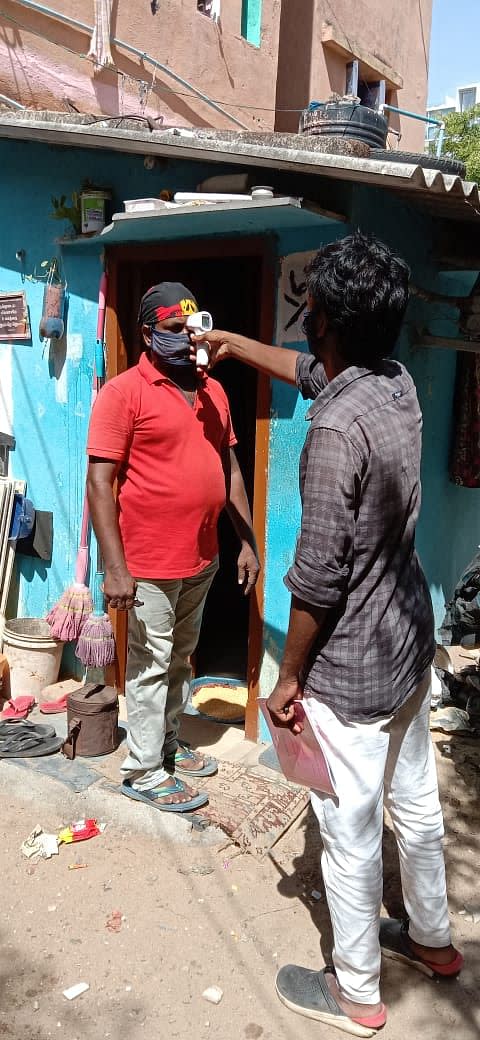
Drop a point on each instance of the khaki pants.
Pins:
(162, 634)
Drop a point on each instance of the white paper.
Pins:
(40, 844)
(76, 991)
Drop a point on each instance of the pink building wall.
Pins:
(396, 35)
(214, 58)
(43, 63)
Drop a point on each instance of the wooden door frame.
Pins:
(263, 247)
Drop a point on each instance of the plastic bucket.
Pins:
(93, 205)
(34, 657)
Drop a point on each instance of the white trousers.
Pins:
(162, 634)
(390, 760)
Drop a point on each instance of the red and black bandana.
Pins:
(166, 300)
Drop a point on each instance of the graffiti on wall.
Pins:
(292, 297)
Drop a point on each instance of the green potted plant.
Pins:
(68, 211)
(86, 210)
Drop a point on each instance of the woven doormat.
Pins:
(252, 810)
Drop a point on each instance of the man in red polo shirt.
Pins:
(163, 432)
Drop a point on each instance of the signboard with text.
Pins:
(14, 320)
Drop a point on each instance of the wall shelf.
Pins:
(252, 217)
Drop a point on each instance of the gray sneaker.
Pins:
(306, 992)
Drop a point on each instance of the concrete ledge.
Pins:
(371, 64)
(44, 798)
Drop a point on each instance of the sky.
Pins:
(454, 47)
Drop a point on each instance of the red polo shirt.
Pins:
(171, 479)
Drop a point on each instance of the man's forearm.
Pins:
(238, 508)
(103, 511)
(303, 629)
(278, 362)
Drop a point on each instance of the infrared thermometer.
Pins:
(200, 323)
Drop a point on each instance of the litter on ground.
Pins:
(39, 843)
(114, 921)
(213, 994)
(76, 991)
(44, 845)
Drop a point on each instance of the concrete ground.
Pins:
(156, 913)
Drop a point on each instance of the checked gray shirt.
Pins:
(360, 489)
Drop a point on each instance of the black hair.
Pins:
(362, 289)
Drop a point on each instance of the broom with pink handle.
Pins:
(68, 616)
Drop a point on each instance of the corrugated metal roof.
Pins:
(442, 194)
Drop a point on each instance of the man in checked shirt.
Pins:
(360, 640)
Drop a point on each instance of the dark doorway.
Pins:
(230, 288)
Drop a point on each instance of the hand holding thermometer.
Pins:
(200, 323)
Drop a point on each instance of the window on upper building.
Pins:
(372, 93)
(206, 7)
(252, 21)
(467, 98)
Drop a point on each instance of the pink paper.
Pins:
(301, 756)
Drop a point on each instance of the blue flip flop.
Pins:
(184, 754)
(152, 797)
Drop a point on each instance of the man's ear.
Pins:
(147, 335)
(321, 325)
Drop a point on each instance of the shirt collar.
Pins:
(149, 372)
(335, 387)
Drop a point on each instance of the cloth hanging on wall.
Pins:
(465, 456)
(100, 42)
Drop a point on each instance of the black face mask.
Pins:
(172, 347)
(309, 328)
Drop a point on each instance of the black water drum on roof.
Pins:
(346, 119)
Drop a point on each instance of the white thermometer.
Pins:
(200, 323)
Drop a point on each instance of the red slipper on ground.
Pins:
(54, 707)
(18, 708)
